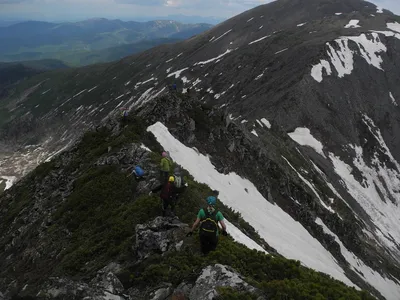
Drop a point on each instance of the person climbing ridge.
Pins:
(209, 231)
(179, 183)
(138, 172)
(168, 196)
(165, 168)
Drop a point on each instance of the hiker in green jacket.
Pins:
(165, 168)
(208, 219)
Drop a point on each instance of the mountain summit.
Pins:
(299, 97)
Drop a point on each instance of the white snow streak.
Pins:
(353, 24)
(379, 10)
(283, 50)
(393, 100)
(259, 40)
(213, 59)
(92, 89)
(221, 36)
(254, 132)
(303, 137)
(338, 14)
(252, 18)
(301, 24)
(287, 236)
(79, 93)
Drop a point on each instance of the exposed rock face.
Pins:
(159, 236)
(216, 276)
(103, 287)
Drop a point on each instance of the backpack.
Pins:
(139, 171)
(178, 182)
(209, 225)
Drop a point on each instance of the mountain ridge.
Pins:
(300, 91)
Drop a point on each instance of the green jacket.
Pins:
(165, 165)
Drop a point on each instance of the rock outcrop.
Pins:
(159, 236)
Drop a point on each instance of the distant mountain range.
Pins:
(70, 42)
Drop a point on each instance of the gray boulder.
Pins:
(104, 286)
(216, 276)
(160, 235)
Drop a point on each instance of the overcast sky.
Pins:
(129, 9)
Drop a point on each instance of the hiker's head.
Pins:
(171, 179)
(177, 171)
(211, 200)
(215, 193)
(164, 154)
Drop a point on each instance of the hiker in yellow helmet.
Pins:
(168, 195)
(209, 230)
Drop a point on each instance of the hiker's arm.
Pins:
(196, 223)
(223, 225)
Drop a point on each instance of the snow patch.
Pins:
(338, 14)
(177, 73)
(145, 148)
(301, 24)
(10, 180)
(353, 24)
(266, 123)
(379, 10)
(278, 229)
(252, 18)
(303, 137)
(394, 26)
(316, 71)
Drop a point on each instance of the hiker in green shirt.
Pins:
(165, 168)
(208, 219)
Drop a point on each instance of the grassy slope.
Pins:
(102, 213)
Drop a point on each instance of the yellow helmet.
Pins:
(171, 179)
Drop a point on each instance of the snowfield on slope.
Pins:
(278, 229)
(387, 287)
(343, 59)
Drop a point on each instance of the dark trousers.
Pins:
(208, 243)
(166, 203)
(164, 177)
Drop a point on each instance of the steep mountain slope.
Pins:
(78, 228)
(308, 91)
(39, 40)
